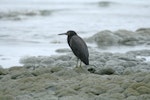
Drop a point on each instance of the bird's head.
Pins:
(69, 33)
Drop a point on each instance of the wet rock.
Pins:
(140, 52)
(147, 78)
(81, 69)
(21, 75)
(116, 89)
(74, 97)
(143, 90)
(132, 98)
(66, 73)
(117, 96)
(105, 71)
(3, 71)
(117, 76)
(63, 50)
(130, 92)
(103, 97)
(66, 92)
(144, 97)
(25, 97)
(144, 33)
(127, 37)
(105, 38)
(121, 37)
(40, 71)
(105, 3)
(6, 97)
(56, 69)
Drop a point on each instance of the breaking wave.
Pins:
(23, 14)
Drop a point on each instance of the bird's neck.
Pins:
(68, 39)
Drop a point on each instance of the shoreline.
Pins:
(117, 76)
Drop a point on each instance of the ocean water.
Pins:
(31, 27)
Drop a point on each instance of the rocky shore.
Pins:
(117, 76)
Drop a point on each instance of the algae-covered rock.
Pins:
(144, 97)
(66, 92)
(74, 97)
(130, 92)
(66, 73)
(110, 76)
(105, 71)
(121, 37)
(147, 78)
(6, 97)
(3, 71)
(105, 38)
(143, 90)
(132, 98)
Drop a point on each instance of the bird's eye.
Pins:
(68, 33)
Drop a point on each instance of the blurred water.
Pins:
(30, 27)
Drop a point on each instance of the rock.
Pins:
(56, 69)
(74, 97)
(147, 78)
(6, 97)
(128, 71)
(144, 33)
(135, 85)
(132, 98)
(130, 92)
(105, 3)
(139, 79)
(105, 71)
(3, 71)
(103, 98)
(121, 37)
(40, 71)
(81, 69)
(117, 76)
(66, 92)
(105, 38)
(143, 90)
(21, 75)
(144, 97)
(127, 37)
(24, 97)
(116, 89)
(117, 96)
(63, 50)
(66, 73)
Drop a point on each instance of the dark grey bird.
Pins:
(78, 47)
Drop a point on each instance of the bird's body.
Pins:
(78, 46)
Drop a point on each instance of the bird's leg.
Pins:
(77, 62)
(80, 63)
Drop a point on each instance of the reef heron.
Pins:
(78, 46)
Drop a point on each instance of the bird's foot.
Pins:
(81, 69)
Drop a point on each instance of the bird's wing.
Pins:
(79, 48)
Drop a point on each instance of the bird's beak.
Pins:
(62, 34)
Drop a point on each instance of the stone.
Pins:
(130, 92)
(147, 78)
(143, 90)
(74, 97)
(132, 98)
(6, 97)
(105, 71)
(65, 92)
(3, 71)
(144, 97)
(66, 73)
